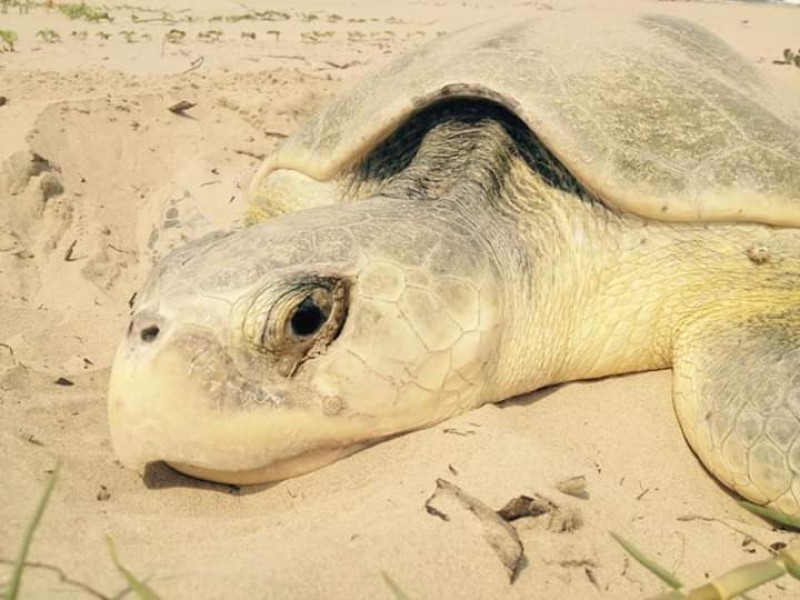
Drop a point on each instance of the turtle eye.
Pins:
(311, 314)
(298, 324)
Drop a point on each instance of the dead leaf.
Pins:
(500, 536)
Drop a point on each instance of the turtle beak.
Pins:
(175, 395)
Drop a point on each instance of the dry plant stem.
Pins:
(62, 577)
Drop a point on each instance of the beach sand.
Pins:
(93, 170)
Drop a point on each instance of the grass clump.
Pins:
(212, 35)
(7, 40)
(175, 36)
(49, 36)
(254, 15)
(84, 11)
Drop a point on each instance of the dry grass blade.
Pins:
(141, 589)
(12, 591)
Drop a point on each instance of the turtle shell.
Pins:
(653, 114)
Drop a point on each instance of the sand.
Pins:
(93, 170)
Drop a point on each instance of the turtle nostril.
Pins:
(148, 334)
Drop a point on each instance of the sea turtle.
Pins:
(511, 206)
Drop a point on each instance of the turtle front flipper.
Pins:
(737, 396)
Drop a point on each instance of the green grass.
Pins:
(7, 40)
(770, 514)
(12, 591)
(84, 11)
(397, 591)
(729, 585)
(138, 587)
(735, 582)
(667, 577)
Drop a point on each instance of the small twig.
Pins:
(255, 155)
(68, 253)
(156, 20)
(195, 64)
(454, 431)
(693, 517)
(120, 250)
(346, 65)
(288, 57)
(63, 577)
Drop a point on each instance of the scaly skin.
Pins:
(471, 269)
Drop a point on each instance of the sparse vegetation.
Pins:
(175, 36)
(7, 40)
(137, 586)
(314, 37)
(11, 590)
(84, 11)
(48, 36)
(212, 35)
(784, 560)
(790, 57)
(24, 6)
(165, 17)
(103, 35)
(129, 35)
(13, 587)
(254, 15)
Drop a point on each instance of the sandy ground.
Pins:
(98, 180)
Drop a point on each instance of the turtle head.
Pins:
(262, 354)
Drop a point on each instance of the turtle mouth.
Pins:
(272, 472)
(163, 407)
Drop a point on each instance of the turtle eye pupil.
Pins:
(308, 318)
